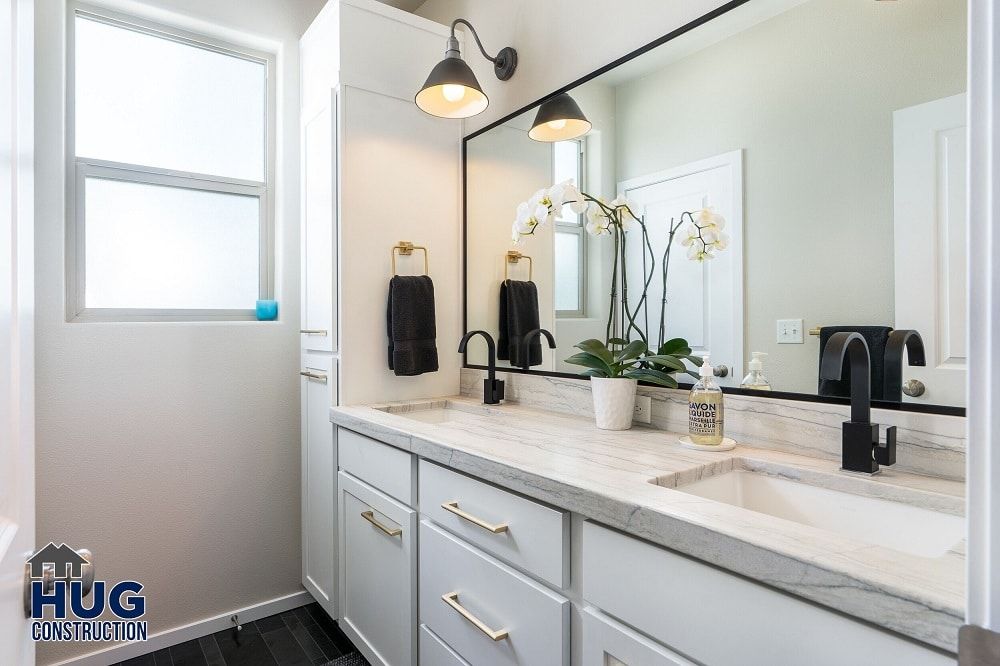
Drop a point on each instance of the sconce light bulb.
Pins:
(453, 92)
(556, 124)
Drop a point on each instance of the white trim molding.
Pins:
(983, 472)
(189, 632)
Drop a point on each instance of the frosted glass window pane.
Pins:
(566, 166)
(150, 246)
(567, 271)
(155, 102)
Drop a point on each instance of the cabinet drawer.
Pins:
(433, 651)
(520, 531)
(387, 468)
(720, 619)
(378, 573)
(529, 623)
(608, 643)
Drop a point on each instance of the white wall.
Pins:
(557, 41)
(808, 96)
(172, 450)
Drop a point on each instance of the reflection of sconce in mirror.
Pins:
(559, 119)
(452, 90)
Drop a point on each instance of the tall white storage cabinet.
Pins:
(375, 171)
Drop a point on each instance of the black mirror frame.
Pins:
(779, 395)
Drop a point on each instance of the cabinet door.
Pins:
(377, 573)
(319, 227)
(608, 643)
(319, 480)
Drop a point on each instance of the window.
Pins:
(171, 200)
(570, 237)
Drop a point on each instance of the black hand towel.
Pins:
(411, 327)
(518, 315)
(876, 337)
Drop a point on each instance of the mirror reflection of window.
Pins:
(570, 239)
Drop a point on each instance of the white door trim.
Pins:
(983, 459)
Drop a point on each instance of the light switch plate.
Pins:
(643, 409)
(790, 332)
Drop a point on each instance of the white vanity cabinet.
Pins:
(722, 619)
(318, 381)
(377, 573)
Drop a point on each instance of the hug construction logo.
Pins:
(62, 578)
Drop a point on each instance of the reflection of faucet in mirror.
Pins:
(898, 341)
(492, 387)
(526, 340)
(861, 450)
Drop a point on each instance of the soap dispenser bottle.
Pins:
(755, 378)
(705, 408)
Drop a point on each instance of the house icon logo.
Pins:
(65, 562)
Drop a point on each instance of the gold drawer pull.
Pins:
(452, 600)
(313, 375)
(453, 507)
(313, 331)
(390, 531)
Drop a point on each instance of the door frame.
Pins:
(733, 160)
(983, 458)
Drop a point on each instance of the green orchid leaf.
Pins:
(654, 377)
(632, 351)
(598, 349)
(697, 360)
(590, 361)
(694, 374)
(674, 346)
(621, 342)
(667, 362)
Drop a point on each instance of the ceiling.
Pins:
(405, 5)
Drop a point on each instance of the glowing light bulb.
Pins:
(556, 124)
(453, 92)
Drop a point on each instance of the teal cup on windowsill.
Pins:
(267, 310)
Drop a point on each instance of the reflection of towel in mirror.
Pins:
(411, 326)
(876, 337)
(518, 315)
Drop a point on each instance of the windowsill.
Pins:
(111, 316)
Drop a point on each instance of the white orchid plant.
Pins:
(702, 233)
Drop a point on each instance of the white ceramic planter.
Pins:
(614, 402)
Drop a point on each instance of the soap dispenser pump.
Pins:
(755, 379)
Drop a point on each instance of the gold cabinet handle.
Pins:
(452, 600)
(389, 531)
(312, 331)
(453, 508)
(313, 375)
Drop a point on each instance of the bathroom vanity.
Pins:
(510, 535)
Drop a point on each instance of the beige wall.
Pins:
(808, 96)
(172, 449)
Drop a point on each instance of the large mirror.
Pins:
(819, 146)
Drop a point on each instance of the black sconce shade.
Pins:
(559, 119)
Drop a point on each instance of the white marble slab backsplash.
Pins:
(928, 444)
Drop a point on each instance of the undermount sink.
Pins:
(439, 412)
(903, 523)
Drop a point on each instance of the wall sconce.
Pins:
(559, 119)
(451, 90)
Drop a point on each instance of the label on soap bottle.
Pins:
(705, 417)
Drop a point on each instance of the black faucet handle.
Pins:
(885, 454)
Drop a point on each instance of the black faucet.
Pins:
(526, 340)
(861, 450)
(492, 387)
(914, 345)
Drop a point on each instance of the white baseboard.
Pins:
(187, 632)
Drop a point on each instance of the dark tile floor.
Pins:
(304, 636)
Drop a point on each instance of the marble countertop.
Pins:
(624, 479)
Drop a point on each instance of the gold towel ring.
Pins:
(513, 256)
(405, 249)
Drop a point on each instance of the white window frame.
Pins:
(78, 168)
(580, 229)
